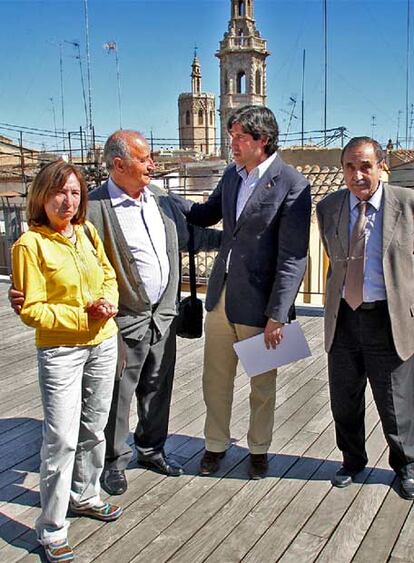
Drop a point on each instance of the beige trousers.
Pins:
(220, 363)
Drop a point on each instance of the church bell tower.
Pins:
(196, 116)
(242, 57)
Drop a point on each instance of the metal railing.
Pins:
(12, 225)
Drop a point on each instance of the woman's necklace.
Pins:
(71, 236)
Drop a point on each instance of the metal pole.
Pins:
(118, 75)
(407, 77)
(88, 65)
(81, 141)
(22, 163)
(325, 103)
(54, 122)
(70, 147)
(303, 97)
(61, 94)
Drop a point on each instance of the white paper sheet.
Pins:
(256, 359)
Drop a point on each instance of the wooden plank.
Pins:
(403, 551)
(384, 531)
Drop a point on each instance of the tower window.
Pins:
(241, 9)
(211, 117)
(258, 82)
(187, 117)
(241, 82)
(200, 117)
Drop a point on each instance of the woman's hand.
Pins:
(101, 309)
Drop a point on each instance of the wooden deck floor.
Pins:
(293, 515)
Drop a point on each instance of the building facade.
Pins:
(197, 116)
(242, 57)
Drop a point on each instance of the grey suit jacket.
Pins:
(397, 260)
(268, 243)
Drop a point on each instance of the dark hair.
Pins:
(358, 141)
(52, 177)
(257, 121)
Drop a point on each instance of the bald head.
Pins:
(120, 143)
(128, 159)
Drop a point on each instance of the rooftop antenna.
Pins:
(373, 125)
(112, 47)
(303, 99)
(88, 67)
(397, 140)
(54, 121)
(62, 103)
(292, 115)
(325, 34)
(76, 44)
(407, 75)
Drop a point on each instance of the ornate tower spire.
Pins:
(242, 57)
(196, 74)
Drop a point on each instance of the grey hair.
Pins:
(117, 146)
(358, 141)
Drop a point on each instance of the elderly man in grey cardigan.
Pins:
(142, 230)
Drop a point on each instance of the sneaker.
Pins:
(107, 512)
(58, 551)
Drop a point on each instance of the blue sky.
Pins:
(156, 38)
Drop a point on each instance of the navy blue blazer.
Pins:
(268, 243)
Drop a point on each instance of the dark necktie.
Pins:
(354, 279)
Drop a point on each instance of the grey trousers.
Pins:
(148, 374)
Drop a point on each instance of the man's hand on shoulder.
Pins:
(273, 333)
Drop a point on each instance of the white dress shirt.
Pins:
(144, 231)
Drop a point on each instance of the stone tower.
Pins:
(197, 116)
(242, 57)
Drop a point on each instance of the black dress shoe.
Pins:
(344, 477)
(114, 481)
(407, 488)
(258, 466)
(210, 462)
(161, 464)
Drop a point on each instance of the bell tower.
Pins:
(242, 56)
(196, 115)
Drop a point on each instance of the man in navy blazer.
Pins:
(265, 206)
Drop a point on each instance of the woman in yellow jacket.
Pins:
(71, 297)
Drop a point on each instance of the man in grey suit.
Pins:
(369, 311)
(265, 207)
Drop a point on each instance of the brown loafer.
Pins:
(210, 462)
(258, 466)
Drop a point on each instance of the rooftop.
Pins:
(293, 515)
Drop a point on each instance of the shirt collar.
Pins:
(258, 171)
(374, 200)
(119, 197)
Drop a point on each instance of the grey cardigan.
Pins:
(135, 310)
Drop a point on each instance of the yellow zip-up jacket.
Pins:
(58, 279)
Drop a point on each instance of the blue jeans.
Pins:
(76, 384)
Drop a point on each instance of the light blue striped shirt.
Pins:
(249, 181)
(374, 285)
(144, 231)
